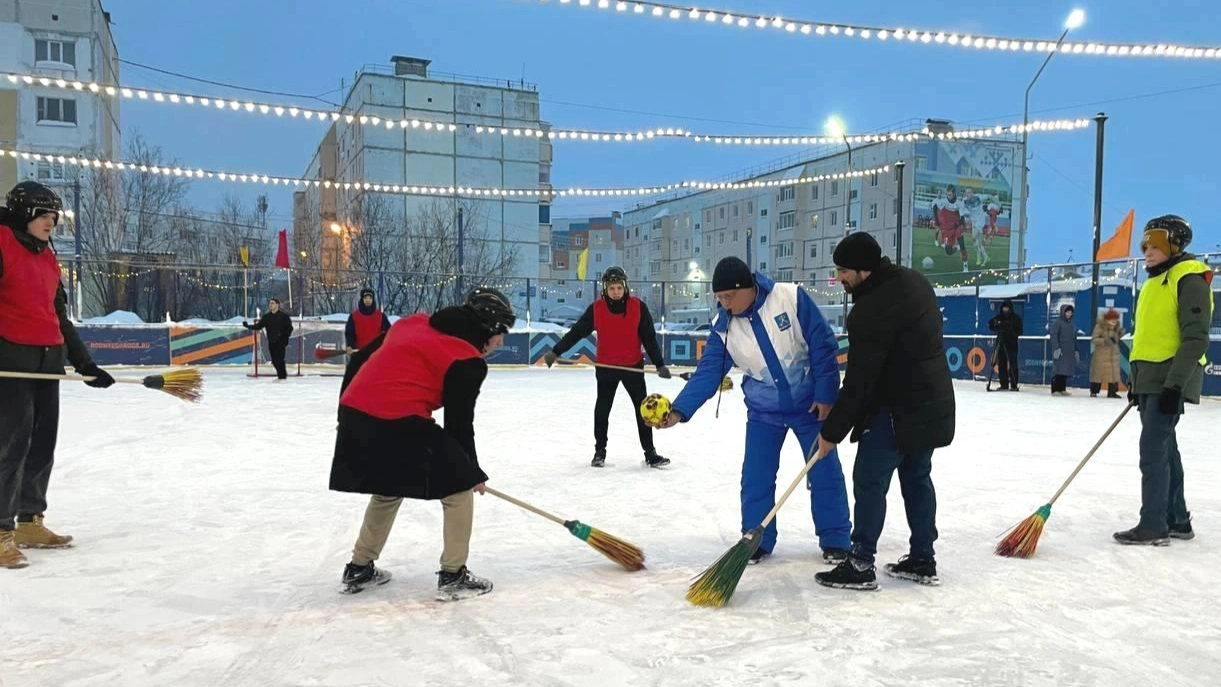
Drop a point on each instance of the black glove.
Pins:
(1131, 396)
(663, 372)
(549, 357)
(1168, 402)
(102, 377)
(245, 324)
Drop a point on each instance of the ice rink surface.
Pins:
(209, 552)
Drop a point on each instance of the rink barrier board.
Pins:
(967, 356)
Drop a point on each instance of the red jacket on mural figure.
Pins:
(623, 325)
(35, 337)
(366, 323)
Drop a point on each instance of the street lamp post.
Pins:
(1075, 19)
(835, 127)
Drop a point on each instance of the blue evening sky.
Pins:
(599, 69)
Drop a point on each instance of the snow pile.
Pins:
(116, 317)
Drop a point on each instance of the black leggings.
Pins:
(608, 385)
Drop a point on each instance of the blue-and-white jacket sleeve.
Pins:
(706, 380)
(823, 348)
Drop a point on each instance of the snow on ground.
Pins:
(210, 550)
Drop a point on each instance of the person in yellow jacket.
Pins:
(1169, 345)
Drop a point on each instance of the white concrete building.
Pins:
(62, 39)
(406, 89)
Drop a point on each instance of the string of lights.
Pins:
(661, 133)
(750, 20)
(546, 193)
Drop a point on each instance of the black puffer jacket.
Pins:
(43, 359)
(896, 361)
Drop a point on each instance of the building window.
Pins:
(722, 235)
(784, 275)
(544, 253)
(560, 265)
(835, 188)
(762, 239)
(784, 250)
(708, 241)
(873, 211)
(750, 208)
(735, 210)
(674, 246)
(56, 110)
(49, 171)
(894, 240)
(598, 258)
(762, 266)
(814, 220)
(686, 244)
(59, 52)
(722, 213)
(835, 218)
(814, 192)
(873, 179)
(787, 193)
(735, 236)
(787, 220)
(813, 250)
(674, 268)
(707, 216)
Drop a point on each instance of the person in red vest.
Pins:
(389, 446)
(623, 324)
(35, 336)
(366, 323)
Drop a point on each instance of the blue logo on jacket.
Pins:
(782, 321)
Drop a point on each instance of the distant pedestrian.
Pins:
(1062, 338)
(1007, 325)
(279, 327)
(1104, 363)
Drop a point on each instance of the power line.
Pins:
(229, 85)
(1108, 101)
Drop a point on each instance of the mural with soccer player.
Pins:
(964, 218)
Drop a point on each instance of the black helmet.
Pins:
(29, 199)
(1178, 230)
(367, 292)
(614, 274)
(493, 309)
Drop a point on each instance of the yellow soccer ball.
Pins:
(653, 409)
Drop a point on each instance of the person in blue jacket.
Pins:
(777, 336)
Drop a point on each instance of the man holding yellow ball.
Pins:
(776, 334)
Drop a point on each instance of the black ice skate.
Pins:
(1182, 531)
(357, 577)
(834, 555)
(599, 459)
(922, 570)
(1138, 537)
(655, 461)
(851, 574)
(455, 586)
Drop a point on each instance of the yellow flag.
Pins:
(244, 253)
(1119, 245)
(582, 263)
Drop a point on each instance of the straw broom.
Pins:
(1023, 539)
(624, 553)
(185, 384)
(716, 585)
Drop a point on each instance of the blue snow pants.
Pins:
(828, 496)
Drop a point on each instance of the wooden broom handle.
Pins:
(818, 455)
(66, 378)
(523, 504)
(605, 365)
(1091, 453)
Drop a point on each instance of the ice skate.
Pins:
(456, 586)
(850, 574)
(357, 577)
(35, 535)
(10, 556)
(922, 570)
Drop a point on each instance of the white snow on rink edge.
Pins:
(209, 552)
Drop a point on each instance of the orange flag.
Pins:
(1120, 245)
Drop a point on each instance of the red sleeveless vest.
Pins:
(27, 294)
(368, 327)
(618, 335)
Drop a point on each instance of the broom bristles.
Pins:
(1023, 539)
(626, 554)
(186, 384)
(716, 585)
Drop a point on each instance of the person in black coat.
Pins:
(897, 401)
(389, 446)
(279, 327)
(1007, 325)
(36, 336)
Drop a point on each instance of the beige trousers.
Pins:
(459, 515)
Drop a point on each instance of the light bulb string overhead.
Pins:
(328, 116)
(880, 33)
(408, 189)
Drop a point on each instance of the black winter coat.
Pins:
(414, 457)
(278, 326)
(43, 359)
(896, 361)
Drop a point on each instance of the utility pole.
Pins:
(461, 255)
(76, 240)
(1100, 119)
(899, 215)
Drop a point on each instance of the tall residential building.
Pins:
(500, 234)
(60, 39)
(958, 209)
(562, 292)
